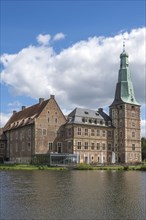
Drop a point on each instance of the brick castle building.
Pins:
(90, 136)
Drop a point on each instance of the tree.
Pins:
(143, 148)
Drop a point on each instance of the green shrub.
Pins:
(126, 168)
(84, 166)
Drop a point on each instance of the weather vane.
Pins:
(124, 44)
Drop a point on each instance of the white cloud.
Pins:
(84, 74)
(43, 39)
(14, 106)
(58, 36)
(4, 117)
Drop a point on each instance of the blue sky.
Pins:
(79, 21)
(22, 21)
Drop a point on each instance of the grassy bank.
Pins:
(29, 167)
(81, 166)
(113, 167)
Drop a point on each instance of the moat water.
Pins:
(76, 195)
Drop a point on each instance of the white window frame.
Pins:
(50, 146)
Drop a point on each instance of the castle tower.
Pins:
(125, 114)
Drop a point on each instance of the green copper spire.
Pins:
(124, 89)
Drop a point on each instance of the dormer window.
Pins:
(109, 123)
(69, 119)
(83, 119)
(86, 120)
(93, 121)
(86, 112)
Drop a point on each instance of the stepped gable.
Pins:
(25, 116)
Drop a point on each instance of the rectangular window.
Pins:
(103, 133)
(79, 145)
(133, 146)
(86, 132)
(69, 144)
(56, 121)
(120, 124)
(59, 147)
(59, 144)
(98, 132)
(86, 145)
(98, 146)
(133, 134)
(92, 146)
(103, 146)
(79, 131)
(50, 144)
(2, 146)
(58, 133)
(69, 132)
(109, 146)
(109, 133)
(28, 146)
(44, 132)
(92, 132)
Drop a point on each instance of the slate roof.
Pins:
(88, 116)
(124, 89)
(25, 116)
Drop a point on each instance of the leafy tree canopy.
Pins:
(143, 147)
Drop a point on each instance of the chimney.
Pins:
(52, 96)
(23, 107)
(41, 100)
(14, 112)
(100, 109)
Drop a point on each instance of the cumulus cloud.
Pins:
(43, 39)
(14, 106)
(84, 74)
(59, 36)
(4, 117)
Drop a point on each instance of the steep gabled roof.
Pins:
(26, 116)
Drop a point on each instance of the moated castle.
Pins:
(91, 136)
